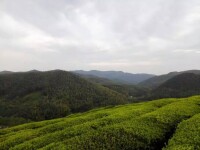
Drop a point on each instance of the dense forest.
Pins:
(158, 80)
(132, 92)
(182, 85)
(51, 94)
(174, 84)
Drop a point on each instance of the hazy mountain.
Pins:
(10, 72)
(95, 79)
(117, 76)
(158, 80)
(6, 72)
(132, 92)
(43, 95)
(33, 70)
(182, 85)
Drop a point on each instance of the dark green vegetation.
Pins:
(174, 84)
(158, 80)
(98, 80)
(187, 136)
(34, 95)
(118, 77)
(132, 92)
(147, 125)
(183, 85)
(11, 121)
(44, 95)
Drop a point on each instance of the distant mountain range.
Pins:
(6, 72)
(11, 72)
(158, 80)
(116, 76)
(119, 77)
(41, 95)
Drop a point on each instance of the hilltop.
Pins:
(158, 80)
(182, 85)
(44, 95)
(5, 72)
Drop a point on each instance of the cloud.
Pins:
(127, 35)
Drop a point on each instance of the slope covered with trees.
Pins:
(132, 92)
(45, 95)
(145, 126)
(183, 85)
(98, 80)
(158, 80)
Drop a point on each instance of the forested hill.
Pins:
(51, 94)
(6, 72)
(182, 85)
(158, 80)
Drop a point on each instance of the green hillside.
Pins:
(183, 85)
(187, 135)
(140, 126)
(44, 95)
(158, 80)
(98, 80)
(132, 92)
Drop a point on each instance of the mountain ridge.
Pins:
(117, 76)
(51, 94)
(181, 85)
(158, 80)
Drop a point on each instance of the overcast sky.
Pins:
(138, 36)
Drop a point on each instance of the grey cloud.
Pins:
(154, 36)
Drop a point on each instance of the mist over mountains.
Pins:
(117, 76)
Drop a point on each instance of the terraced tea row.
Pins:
(146, 125)
(187, 136)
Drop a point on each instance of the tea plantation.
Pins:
(187, 136)
(161, 124)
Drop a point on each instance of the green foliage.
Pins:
(46, 95)
(133, 92)
(158, 80)
(187, 135)
(146, 125)
(183, 85)
(11, 121)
